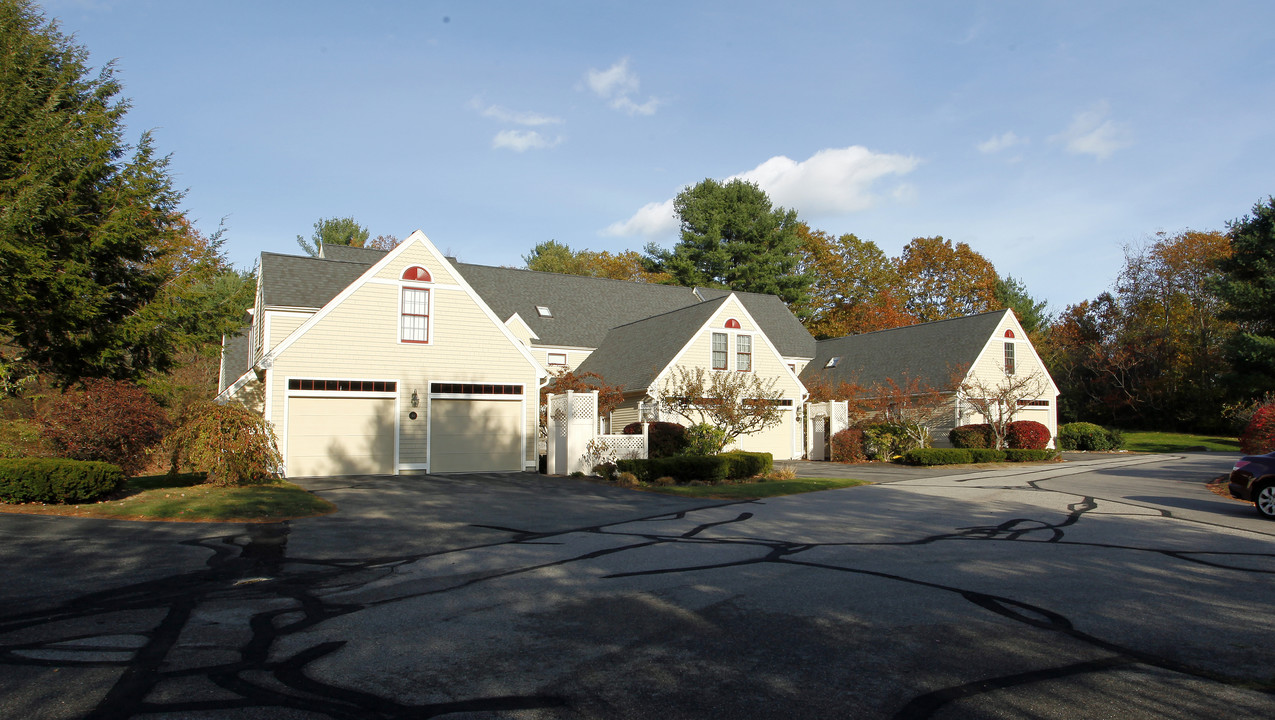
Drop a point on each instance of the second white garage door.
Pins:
(340, 436)
(475, 435)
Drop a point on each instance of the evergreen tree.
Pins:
(733, 237)
(1247, 286)
(85, 219)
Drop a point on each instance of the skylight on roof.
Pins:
(832, 361)
(543, 311)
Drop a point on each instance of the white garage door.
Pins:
(340, 436)
(467, 435)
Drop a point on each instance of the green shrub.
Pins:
(1030, 454)
(1088, 436)
(234, 445)
(55, 480)
(682, 468)
(664, 438)
(1026, 435)
(744, 464)
(704, 439)
(938, 456)
(883, 441)
(976, 435)
(605, 470)
(115, 422)
(847, 446)
(985, 455)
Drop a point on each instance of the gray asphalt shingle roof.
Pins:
(585, 309)
(367, 256)
(632, 355)
(234, 357)
(298, 281)
(932, 353)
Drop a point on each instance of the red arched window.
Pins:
(1009, 334)
(416, 273)
(732, 324)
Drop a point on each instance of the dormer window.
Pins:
(543, 311)
(832, 362)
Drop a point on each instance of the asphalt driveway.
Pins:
(1075, 590)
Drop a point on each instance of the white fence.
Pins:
(574, 444)
(823, 420)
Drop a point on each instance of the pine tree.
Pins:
(84, 217)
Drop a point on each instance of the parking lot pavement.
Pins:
(1072, 590)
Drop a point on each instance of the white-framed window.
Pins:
(557, 358)
(1009, 358)
(721, 351)
(744, 353)
(415, 308)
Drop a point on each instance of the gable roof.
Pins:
(930, 353)
(585, 309)
(307, 282)
(633, 355)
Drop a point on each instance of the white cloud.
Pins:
(1090, 133)
(522, 140)
(617, 84)
(832, 181)
(531, 119)
(652, 219)
(1000, 142)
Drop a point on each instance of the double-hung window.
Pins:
(1009, 358)
(744, 353)
(721, 344)
(415, 315)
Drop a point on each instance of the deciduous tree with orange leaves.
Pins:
(945, 279)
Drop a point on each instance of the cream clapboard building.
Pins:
(374, 362)
(944, 355)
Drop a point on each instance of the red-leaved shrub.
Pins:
(665, 438)
(1026, 435)
(847, 446)
(1258, 437)
(107, 420)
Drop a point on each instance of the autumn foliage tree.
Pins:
(854, 287)
(555, 257)
(609, 396)
(945, 279)
(334, 231)
(737, 403)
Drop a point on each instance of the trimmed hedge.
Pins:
(54, 480)
(1030, 454)
(709, 468)
(1088, 436)
(976, 435)
(985, 455)
(962, 456)
(1026, 435)
(938, 456)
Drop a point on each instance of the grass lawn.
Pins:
(1166, 442)
(184, 499)
(753, 491)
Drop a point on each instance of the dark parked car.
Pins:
(1253, 479)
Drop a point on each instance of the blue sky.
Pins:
(1047, 135)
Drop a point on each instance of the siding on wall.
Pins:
(282, 323)
(990, 368)
(766, 364)
(358, 339)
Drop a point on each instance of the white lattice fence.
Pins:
(574, 444)
(823, 420)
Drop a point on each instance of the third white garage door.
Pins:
(471, 435)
